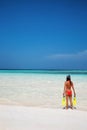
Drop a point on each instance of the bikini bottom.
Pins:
(69, 93)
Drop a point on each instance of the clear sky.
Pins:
(45, 34)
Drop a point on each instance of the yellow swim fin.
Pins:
(74, 101)
(64, 101)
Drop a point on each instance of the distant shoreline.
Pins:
(50, 69)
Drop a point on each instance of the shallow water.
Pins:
(41, 88)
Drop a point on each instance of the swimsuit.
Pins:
(69, 92)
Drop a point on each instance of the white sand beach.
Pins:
(35, 118)
(33, 102)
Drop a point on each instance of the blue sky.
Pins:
(45, 34)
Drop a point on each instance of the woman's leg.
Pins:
(66, 102)
(71, 104)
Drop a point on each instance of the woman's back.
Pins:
(68, 85)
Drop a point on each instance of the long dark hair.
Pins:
(68, 78)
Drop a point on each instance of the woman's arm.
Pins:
(64, 89)
(73, 90)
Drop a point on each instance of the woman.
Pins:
(68, 87)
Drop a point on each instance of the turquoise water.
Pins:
(42, 88)
(84, 72)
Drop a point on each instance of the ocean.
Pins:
(41, 88)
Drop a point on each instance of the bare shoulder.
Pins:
(65, 82)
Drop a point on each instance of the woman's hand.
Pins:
(63, 94)
(74, 94)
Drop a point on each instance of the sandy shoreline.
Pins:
(34, 118)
